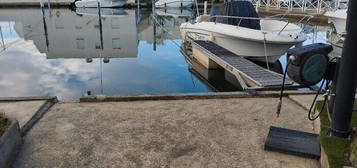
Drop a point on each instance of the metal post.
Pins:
(205, 8)
(49, 4)
(45, 29)
(256, 5)
(347, 79)
(100, 26)
(2, 39)
(318, 6)
(154, 29)
(41, 4)
(198, 12)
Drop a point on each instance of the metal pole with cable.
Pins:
(347, 79)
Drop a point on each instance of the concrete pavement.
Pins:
(163, 133)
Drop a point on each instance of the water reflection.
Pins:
(67, 53)
(62, 53)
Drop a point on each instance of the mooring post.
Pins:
(154, 29)
(44, 25)
(205, 8)
(347, 79)
(49, 4)
(41, 4)
(100, 26)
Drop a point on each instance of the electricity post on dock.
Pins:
(347, 79)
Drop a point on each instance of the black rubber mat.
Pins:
(293, 142)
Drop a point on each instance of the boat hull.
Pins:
(247, 48)
(252, 49)
(173, 4)
(103, 4)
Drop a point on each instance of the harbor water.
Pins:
(69, 53)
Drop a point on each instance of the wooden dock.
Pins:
(250, 75)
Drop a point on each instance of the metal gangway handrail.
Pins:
(313, 6)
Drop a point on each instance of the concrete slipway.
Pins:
(221, 132)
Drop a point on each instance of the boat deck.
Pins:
(249, 74)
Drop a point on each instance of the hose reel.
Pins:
(309, 63)
(307, 66)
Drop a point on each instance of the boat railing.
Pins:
(304, 19)
(280, 17)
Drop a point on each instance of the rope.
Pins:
(265, 51)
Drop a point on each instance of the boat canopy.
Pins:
(237, 9)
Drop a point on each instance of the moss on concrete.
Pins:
(354, 152)
(4, 123)
(337, 149)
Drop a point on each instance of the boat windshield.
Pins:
(239, 9)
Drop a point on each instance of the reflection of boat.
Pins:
(103, 3)
(186, 12)
(174, 3)
(105, 12)
(167, 28)
(338, 18)
(253, 38)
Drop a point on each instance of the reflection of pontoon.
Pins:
(65, 34)
(217, 80)
(103, 3)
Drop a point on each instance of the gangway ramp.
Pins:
(249, 74)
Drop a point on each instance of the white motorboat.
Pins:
(103, 3)
(268, 40)
(174, 3)
(338, 18)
